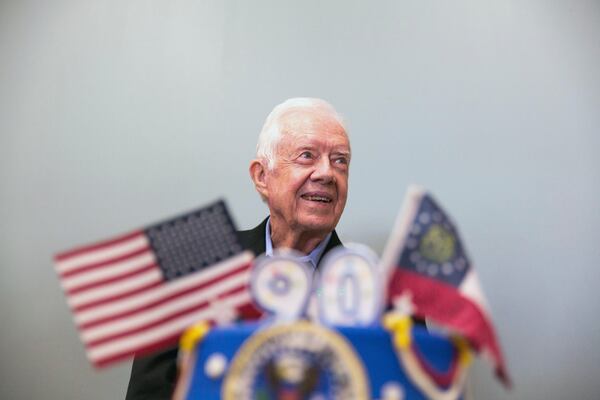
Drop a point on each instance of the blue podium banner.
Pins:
(303, 360)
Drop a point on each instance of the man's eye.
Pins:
(341, 160)
(306, 155)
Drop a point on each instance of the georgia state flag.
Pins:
(426, 262)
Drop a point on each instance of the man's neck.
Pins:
(304, 242)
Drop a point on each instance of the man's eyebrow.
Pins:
(309, 146)
(341, 153)
(303, 147)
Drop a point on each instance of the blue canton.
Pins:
(433, 247)
(194, 241)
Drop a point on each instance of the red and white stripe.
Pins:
(122, 305)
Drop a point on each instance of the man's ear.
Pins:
(258, 174)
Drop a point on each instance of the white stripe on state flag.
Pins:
(100, 253)
(137, 342)
(111, 270)
(471, 289)
(162, 291)
(115, 288)
(142, 318)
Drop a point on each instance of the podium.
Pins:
(305, 360)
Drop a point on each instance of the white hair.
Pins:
(269, 137)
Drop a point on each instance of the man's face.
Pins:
(307, 187)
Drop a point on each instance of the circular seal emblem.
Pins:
(300, 360)
(437, 244)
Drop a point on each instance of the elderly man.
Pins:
(301, 172)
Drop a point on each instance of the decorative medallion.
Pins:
(296, 361)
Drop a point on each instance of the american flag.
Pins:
(427, 265)
(138, 292)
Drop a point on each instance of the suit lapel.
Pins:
(254, 239)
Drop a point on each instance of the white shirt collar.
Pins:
(312, 258)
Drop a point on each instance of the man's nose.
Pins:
(323, 171)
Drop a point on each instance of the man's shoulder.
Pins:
(254, 239)
(153, 376)
(334, 241)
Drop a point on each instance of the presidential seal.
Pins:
(300, 360)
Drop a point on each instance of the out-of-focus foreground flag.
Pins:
(138, 292)
(426, 263)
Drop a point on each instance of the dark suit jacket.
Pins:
(153, 377)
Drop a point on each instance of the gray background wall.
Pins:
(114, 114)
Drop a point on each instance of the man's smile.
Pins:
(320, 197)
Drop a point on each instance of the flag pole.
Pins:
(399, 233)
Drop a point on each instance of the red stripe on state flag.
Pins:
(442, 378)
(444, 304)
